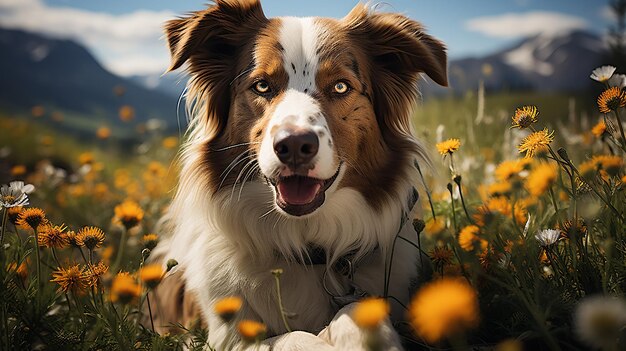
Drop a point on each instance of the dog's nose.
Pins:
(295, 147)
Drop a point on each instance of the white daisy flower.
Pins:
(15, 194)
(602, 74)
(599, 320)
(617, 80)
(547, 237)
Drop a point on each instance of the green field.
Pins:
(526, 294)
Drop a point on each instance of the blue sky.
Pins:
(126, 35)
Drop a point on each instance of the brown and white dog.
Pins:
(300, 155)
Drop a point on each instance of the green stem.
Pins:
(430, 200)
(4, 225)
(456, 228)
(554, 203)
(621, 129)
(54, 255)
(463, 202)
(120, 250)
(38, 258)
(150, 310)
(280, 303)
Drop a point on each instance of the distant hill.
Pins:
(543, 63)
(63, 75)
(172, 83)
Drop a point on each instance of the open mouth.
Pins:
(300, 195)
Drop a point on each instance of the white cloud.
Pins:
(515, 25)
(127, 44)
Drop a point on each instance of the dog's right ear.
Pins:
(216, 31)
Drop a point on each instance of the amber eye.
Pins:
(341, 87)
(261, 87)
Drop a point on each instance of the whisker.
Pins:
(247, 158)
(236, 145)
(273, 209)
(250, 162)
(250, 173)
(241, 74)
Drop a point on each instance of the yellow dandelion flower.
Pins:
(86, 158)
(47, 140)
(251, 331)
(151, 275)
(524, 117)
(588, 169)
(500, 205)
(469, 239)
(90, 237)
(20, 271)
(124, 289)
(127, 113)
(70, 279)
(369, 313)
(599, 129)
(32, 217)
(443, 308)
(611, 99)
(441, 256)
(170, 142)
(448, 146)
(536, 142)
(511, 168)
(107, 253)
(499, 189)
(510, 345)
(18, 170)
(53, 236)
(541, 179)
(128, 213)
(37, 111)
(573, 230)
(150, 241)
(228, 307)
(155, 172)
(122, 178)
(71, 238)
(103, 133)
(612, 164)
(623, 182)
(94, 272)
(100, 191)
(119, 90)
(14, 214)
(435, 226)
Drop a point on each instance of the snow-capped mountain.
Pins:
(559, 62)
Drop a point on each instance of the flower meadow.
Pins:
(528, 251)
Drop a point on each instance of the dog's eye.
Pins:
(261, 87)
(341, 87)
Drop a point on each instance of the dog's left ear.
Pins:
(399, 50)
(399, 44)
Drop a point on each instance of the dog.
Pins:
(300, 156)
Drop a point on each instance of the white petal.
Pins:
(28, 188)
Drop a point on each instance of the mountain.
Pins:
(171, 83)
(560, 62)
(63, 75)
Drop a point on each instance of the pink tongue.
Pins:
(298, 190)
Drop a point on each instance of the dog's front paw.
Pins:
(344, 334)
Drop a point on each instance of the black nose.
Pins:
(295, 148)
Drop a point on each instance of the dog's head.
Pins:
(306, 105)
